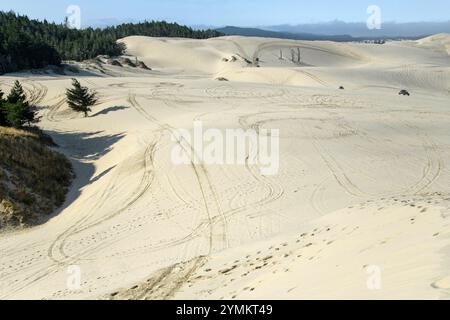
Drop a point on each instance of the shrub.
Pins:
(15, 110)
(33, 179)
(80, 98)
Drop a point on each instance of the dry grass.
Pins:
(33, 178)
(17, 132)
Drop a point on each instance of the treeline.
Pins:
(159, 29)
(27, 43)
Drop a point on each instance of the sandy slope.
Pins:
(363, 179)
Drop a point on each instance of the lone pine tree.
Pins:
(16, 110)
(17, 94)
(80, 98)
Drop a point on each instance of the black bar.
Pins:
(221, 309)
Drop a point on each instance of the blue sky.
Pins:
(234, 12)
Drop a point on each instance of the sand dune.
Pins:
(362, 190)
(420, 64)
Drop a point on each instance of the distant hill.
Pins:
(360, 30)
(255, 32)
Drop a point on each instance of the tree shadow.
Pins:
(101, 175)
(81, 149)
(110, 109)
(85, 145)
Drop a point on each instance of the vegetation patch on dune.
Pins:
(33, 178)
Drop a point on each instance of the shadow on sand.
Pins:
(109, 109)
(81, 149)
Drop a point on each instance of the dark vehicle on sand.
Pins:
(404, 93)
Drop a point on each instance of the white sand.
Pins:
(363, 183)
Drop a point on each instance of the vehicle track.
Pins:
(38, 92)
(275, 191)
(56, 251)
(290, 44)
(434, 164)
(314, 77)
(205, 186)
(201, 173)
(431, 171)
(144, 185)
(35, 91)
(54, 109)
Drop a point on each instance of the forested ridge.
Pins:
(28, 44)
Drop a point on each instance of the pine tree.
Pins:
(16, 109)
(80, 98)
(30, 114)
(17, 94)
(16, 114)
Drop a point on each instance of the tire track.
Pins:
(54, 109)
(301, 45)
(275, 192)
(38, 91)
(144, 185)
(435, 164)
(35, 92)
(56, 251)
(202, 175)
(431, 171)
(200, 169)
(204, 184)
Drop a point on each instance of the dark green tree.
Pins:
(16, 110)
(17, 94)
(80, 98)
(16, 114)
(2, 110)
